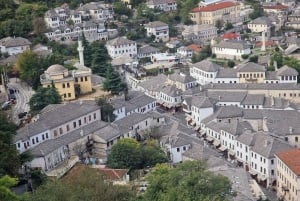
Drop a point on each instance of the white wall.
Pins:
(121, 50)
(198, 114)
(203, 77)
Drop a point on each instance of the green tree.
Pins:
(100, 59)
(185, 7)
(106, 109)
(113, 81)
(87, 52)
(121, 9)
(230, 64)
(9, 157)
(253, 59)
(188, 181)
(43, 97)
(85, 185)
(258, 11)
(228, 26)
(219, 24)
(6, 183)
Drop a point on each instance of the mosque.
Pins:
(69, 84)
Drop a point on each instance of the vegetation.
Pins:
(121, 9)
(230, 64)
(113, 82)
(128, 153)
(185, 7)
(9, 157)
(100, 59)
(188, 181)
(205, 53)
(6, 183)
(253, 59)
(43, 97)
(87, 185)
(107, 110)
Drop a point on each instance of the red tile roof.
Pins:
(214, 7)
(291, 158)
(113, 174)
(196, 48)
(268, 43)
(276, 7)
(230, 36)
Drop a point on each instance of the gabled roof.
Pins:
(196, 48)
(262, 20)
(291, 159)
(154, 83)
(182, 78)
(227, 73)
(215, 7)
(120, 41)
(233, 44)
(201, 102)
(207, 66)
(14, 42)
(170, 90)
(223, 96)
(286, 70)
(254, 99)
(230, 36)
(276, 7)
(251, 67)
(147, 49)
(236, 127)
(156, 24)
(113, 174)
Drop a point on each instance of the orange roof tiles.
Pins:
(214, 7)
(276, 7)
(113, 174)
(195, 47)
(230, 36)
(292, 159)
(268, 43)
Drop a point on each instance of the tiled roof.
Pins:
(181, 78)
(113, 174)
(254, 99)
(156, 24)
(286, 70)
(233, 44)
(207, 66)
(195, 47)
(230, 36)
(120, 41)
(214, 7)
(14, 42)
(291, 159)
(276, 7)
(251, 67)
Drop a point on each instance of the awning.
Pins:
(231, 153)
(222, 148)
(209, 139)
(196, 128)
(188, 118)
(252, 172)
(261, 177)
(202, 132)
(193, 123)
(216, 143)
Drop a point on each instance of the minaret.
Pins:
(80, 50)
(263, 39)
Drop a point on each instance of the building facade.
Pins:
(158, 29)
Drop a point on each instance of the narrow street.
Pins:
(23, 94)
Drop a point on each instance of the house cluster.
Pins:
(65, 24)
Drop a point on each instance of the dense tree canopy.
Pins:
(128, 153)
(99, 58)
(87, 185)
(106, 109)
(113, 81)
(189, 181)
(9, 157)
(6, 183)
(44, 97)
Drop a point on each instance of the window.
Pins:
(84, 120)
(60, 131)
(37, 139)
(272, 162)
(63, 85)
(81, 79)
(85, 78)
(272, 172)
(76, 79)
(184, 148)
(65, 95)
(286, 139)
(178, 149)
(74, 124)
(296, 139)
(90, 118)
(79, 122)
(95, 115)
(19, 145)
(43, 137)
(33, 141)
(68, 85)
(68, 127)
(47, 135)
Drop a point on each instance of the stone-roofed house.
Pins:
(56, 122)
(201, 107)
(152, 85)
(288, 174)
(200, 32)
(253, 101)
(231, 49)
(14, 45)
(121, 46)
(164, 5)
(159, 30)
(146, 51)
(98, 11)
(182, 81)
(227, 75)
(204, 71)
(262, 24)
(287, 74)
(222, 98)
(169, 96)
(185, 52)
(251, 73)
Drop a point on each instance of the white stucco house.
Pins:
(14, 45)
(158, 29)
(204, 72)
(121, 46)
(231, 49)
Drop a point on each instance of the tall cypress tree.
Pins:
(113, 81)
(87, 52)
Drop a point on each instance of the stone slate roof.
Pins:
(156, 24)
(170, 90)
(233, 44)
(254, 99)
(250, 86)
(54, 117)
(251, 67)
(207, 66)
(227, 73)
(267, 146)
(137, 102)
(154, 83)
(93, 6)
(201, 102)
(229, 112)
(262, 20)
(49, 146)
(147, 49)
(120, 41)
(247, 138)
(181, 78)
(235, 127)
(286, 70)
(14, 42)
(224, 96)
(271, 75)
(277, 103)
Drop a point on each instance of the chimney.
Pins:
(219, 98)
(291, 130)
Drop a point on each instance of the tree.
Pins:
(39, 26)
(245, 56)
(230, 64)
(228, 26)
(219, 24)
(253, 59)
(185, 7)
(106, 109)
(9, 157)
(87, 52)
(87, 184)
(121, 9)
(128, 153)
(125, 154)
(113, 81)
(6, 183)
(258, 11)
(188, 181)
(100, 58)
(44, 97)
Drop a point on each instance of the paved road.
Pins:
(23, 95)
